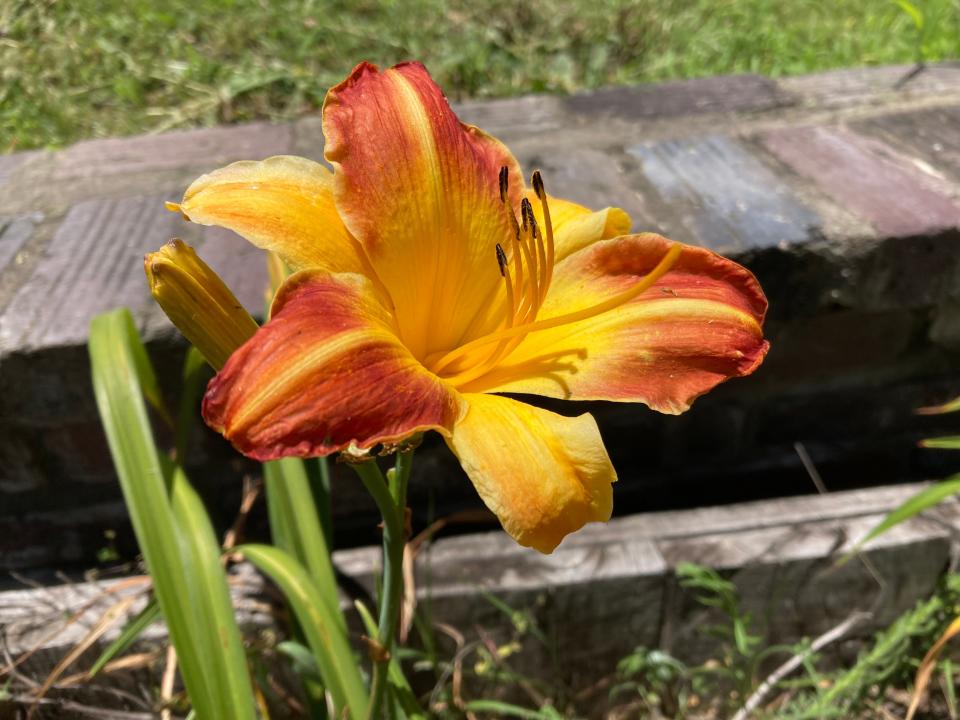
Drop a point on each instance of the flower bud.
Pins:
(198, 302)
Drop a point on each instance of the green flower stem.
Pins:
(390, 495)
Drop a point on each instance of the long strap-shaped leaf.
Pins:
(324, 634)
(212, 665)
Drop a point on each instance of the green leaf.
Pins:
(947, 407)
(133, 629)
(147, 379)
(194, 373)
(503, 709)
(915, 13)
(304, 663)
(296, 526)
(118, 362)
(923, 500)
(942, 443)
(209, 594)
(322, 630)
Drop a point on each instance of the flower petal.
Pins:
(284, 204)
(699, 325)
(325, 372)
(544, 475)
(575, 226)
(420, 191)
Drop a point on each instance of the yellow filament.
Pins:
(510, 308)
(548, 227)
(537, 236)
(532, 260)
(525, 302)
(521, 331)
(518, 287)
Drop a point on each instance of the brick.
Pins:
(867, 176)
(725, 94)
(712, 191)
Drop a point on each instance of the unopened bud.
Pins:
(198, 302)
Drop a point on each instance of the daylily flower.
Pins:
(429, 280)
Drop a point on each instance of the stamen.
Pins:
(651, 278)
(501, 259)
(504, 186)
(548, 225)
(526, 215)
(505, 273)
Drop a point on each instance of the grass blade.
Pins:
(503, 709)
(947, 407)
(133, 629)
(927, 666)
(923, 500)
(951, 442)
(323, 632)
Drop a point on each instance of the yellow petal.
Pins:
(542, 474)
(198, 302)
(284, 204)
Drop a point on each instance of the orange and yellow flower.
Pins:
(429, 280)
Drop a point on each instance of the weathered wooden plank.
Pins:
(611, 587)
(712, 191)
(867, 176)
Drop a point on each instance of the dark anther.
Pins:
(501, 260)
(503, 183)
(526, 213)
(538, 184)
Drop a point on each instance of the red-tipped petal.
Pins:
(699, 325)
(325, 372)
(420, 191)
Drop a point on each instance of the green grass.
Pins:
(95, 68)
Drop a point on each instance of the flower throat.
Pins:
(533, 257)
